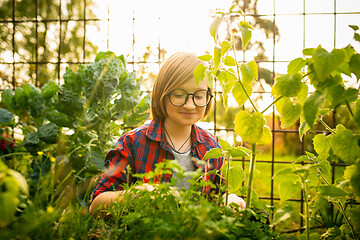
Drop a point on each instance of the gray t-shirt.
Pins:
(185, 161)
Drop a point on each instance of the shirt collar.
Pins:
(155, 132)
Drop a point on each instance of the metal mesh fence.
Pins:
(301, 24)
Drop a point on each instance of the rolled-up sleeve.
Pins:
(117, 173)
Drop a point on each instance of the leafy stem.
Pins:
(337, 203)
(307, 213)
(277, 99)
(251, 174)
(13, 154)
(349, 108)
(308, 74)
(325, 125)
(227, 181)
(238, 72)
(241, 84)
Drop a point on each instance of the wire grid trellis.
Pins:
(13, 64)
(277, 132)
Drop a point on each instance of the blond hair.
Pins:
(176, 70)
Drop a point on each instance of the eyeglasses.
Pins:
(201, 98)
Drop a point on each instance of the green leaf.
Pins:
(122, 59)
(225, 46)
(309, 154)
(302, 172)
(230, 85)
(48, 133)
(323, 166)
(345, 144)
(69, 102)
(311, 107)
(199, 73)
(303, 158)
(6, 117)
(325, 63)
(289, 112)
(213, 153)
(34, 100)
(97, 159)
(140, 114)
(355, 217)
(321, 145)
(246, 32)
(49, 89)
(308, 51)
(282, 214)
(236, 176)
(237, 10)
(287, 85)
(215, 25)
(284, 171)
(238, 152)
(225, 99)
(296, 65)
(32, 143)
(104, 55)
(355, 178)
(60, 119)
(229, 61)
(21, 181)
(249, 127)
(357, 37)
(323, 111)
(223, 78)
(206, 57)
(37, 105)
(8, 205)
(8, 98)
(357, 112)
(354, 65)
(239, 93)
(338, 95)
(349, 171)
(288, 189)
(224, 144)
(266, 136)
(249, 71)
(303, 128)
(303, 93)
(354, 27)
(30, 91)
(313, 236)
(226, 77)
(217, 57)
(71, 79)
(332, 191)
(209, 79)
(20, 99)
(344, 68)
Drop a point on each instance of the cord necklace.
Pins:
(172, 144)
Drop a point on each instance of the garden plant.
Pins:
(54, 140)
(314, 86)
(65, 132)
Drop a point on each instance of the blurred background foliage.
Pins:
(44, 33)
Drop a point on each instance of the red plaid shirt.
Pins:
(145, 146)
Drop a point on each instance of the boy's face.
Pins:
(187, 114)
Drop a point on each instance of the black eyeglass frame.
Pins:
(187, 97)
